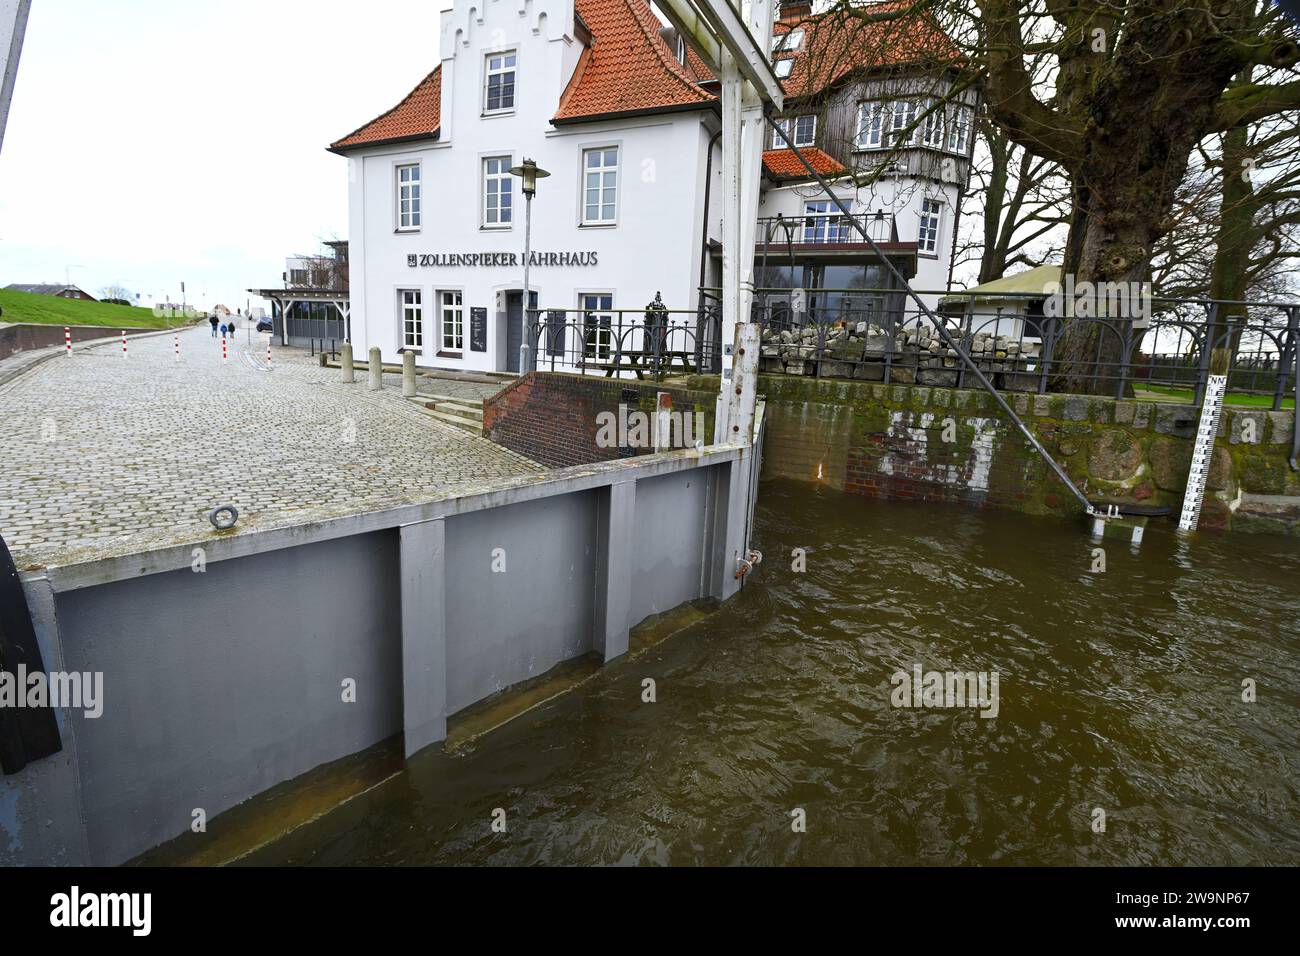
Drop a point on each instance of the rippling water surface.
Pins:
(1119, 690)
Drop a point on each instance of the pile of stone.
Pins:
(857, 350)
(843, 341)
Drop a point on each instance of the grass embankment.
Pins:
(52, 310)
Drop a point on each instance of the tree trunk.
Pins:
(1235, 239)
(1141, 115)
(1105, 248)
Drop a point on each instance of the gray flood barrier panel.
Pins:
(220, 684)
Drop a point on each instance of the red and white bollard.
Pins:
(177, 340)
(223, 350)
(67, 340)
(124, 343)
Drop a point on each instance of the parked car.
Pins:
(264, 325)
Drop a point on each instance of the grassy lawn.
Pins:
(51, 310)
(1165, 393)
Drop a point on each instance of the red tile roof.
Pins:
(628, 67)
(837, 44)
(783, 164)
(418, 115)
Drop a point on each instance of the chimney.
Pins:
(796, 9)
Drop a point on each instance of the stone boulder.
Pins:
(1116, 456)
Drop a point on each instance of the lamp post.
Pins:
(789, 226)
(529, 172)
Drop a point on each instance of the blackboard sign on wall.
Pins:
(477, 329)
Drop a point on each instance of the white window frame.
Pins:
(410, 311)
(828, 226)
(904, 115)
(490, 71)
(783, 68)
(787, 42)
(933, 135)
(791, 124)
(603, 350)
(409, 193)
(927, 229)
(957, 139)
(505, 186)
(451, 318)
(601, 171)
(871, 124)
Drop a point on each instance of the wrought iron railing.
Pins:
(625, 343)
(820, 229)
(877, 335)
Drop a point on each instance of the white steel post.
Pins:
(13, 24)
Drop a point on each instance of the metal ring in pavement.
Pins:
(223, 517)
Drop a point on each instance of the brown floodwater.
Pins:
(1119, 690)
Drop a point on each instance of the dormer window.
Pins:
(787, 42)
(499, 83)
(783, 68)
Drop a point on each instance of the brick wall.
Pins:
(552, 417)
(22, 337)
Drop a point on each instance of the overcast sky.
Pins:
(155, 141)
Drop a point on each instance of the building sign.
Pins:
(477, 329)
(445, 260)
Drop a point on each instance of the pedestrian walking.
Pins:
(213, 320)
(223, 330)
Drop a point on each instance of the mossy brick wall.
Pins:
(956, 445)
(552, 416)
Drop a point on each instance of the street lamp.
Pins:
(529, 172)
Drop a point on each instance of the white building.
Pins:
(604, 96)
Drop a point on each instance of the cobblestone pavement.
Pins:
(104, 454)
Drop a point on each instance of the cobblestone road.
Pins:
(102, 454)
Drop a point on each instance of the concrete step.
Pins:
(464, 424)
(464, 411)
(456, 399)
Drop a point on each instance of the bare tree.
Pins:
(1022, 201)
(116, 292)
(1234, 233)
(1135, 86)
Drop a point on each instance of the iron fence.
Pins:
(879, 335)
(621, 343)
(876, 335)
